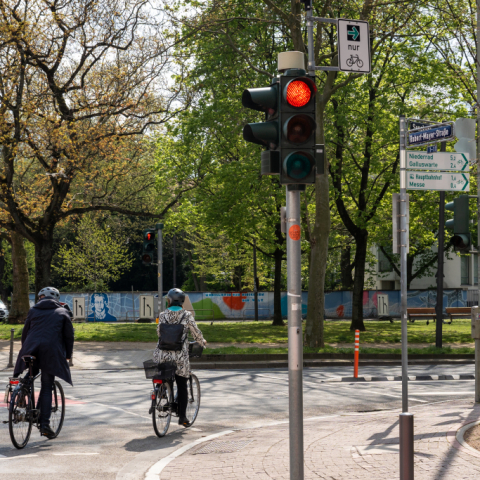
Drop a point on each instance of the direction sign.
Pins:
(78, 307)
(146, 306)
(451, 182)
(353, 46)
(450, 162)
(440, 133)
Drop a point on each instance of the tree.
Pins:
(81, 83)
(95, 258)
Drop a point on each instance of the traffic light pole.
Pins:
(295, 337)
(405, 419)
(441, 242)
(159, 227)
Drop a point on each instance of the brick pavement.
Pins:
(353, 447)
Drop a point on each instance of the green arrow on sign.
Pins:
(356, 33)
(466, 161)
(466, 182)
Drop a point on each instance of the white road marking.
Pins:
(120, 409)
(18, 456)
(426, 394)
(157, 468)
(78, 453)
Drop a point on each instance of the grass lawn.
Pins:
(262, 332)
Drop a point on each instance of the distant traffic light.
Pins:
(460, 222)
(148, 246)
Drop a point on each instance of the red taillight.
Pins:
(157, 381)
(14, 382)
(153, 396)
(298, 93)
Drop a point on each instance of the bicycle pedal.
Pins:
(5, 421)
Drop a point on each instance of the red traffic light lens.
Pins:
(149, 236)
(299, 129)
(298, 93)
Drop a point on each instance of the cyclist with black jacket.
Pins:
(176, 315)
(48, 336)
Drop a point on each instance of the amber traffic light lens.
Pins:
(299, 129)
(298, 93)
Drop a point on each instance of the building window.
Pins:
(465, 270)
(383, 264)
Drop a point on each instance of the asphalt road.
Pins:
(108, 433)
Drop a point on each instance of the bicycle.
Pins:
(354, 59)
(164, 399)
(22, 414)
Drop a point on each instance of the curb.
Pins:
(398, 378)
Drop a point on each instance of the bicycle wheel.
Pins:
(58, 408)
(20, 418)
(162, 413)
(359, 63)
(349, 62)
(193, 405)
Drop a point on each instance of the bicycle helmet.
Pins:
(176, 297)
(50, 292)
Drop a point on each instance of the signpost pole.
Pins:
(406, 419)
(295, 336)
(441, 241)
(159, 227)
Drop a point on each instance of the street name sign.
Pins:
(78, 307)
(440, 133)
(450, 182)
(447, 161)
(353, 46)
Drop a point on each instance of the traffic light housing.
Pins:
(148, 246)
(297, 120)
(460, 222)
(288, 132)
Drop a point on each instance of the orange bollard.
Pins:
(357, 346)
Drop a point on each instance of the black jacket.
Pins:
(47, 335)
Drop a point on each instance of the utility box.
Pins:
(475, 323)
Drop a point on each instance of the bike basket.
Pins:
(195, 350)
(163, 371)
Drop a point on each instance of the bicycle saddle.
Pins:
(28, 358)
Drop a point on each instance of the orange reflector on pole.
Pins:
(357, 346)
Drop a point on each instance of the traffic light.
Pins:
(461, 239)
(264, 133)
(297, 119)
(148, 246)
(288, 132)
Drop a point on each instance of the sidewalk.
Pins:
(127, 355)
(344, 447)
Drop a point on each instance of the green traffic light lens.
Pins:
(298, 165)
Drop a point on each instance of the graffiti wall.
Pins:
(124, 306)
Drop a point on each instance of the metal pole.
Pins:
(133, 305)
(159, 227)
(406, 446)
(441, 242)
(174, 260)
(311, 52)
(477, 342)
(255, 289)
(406, 434)
(295, 343)
(10, 358)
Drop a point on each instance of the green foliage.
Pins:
(94, 259)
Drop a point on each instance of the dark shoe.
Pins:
(46, 431)
(184, 421)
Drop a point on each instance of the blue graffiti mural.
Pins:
(125, 306)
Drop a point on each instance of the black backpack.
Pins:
(171, 336)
